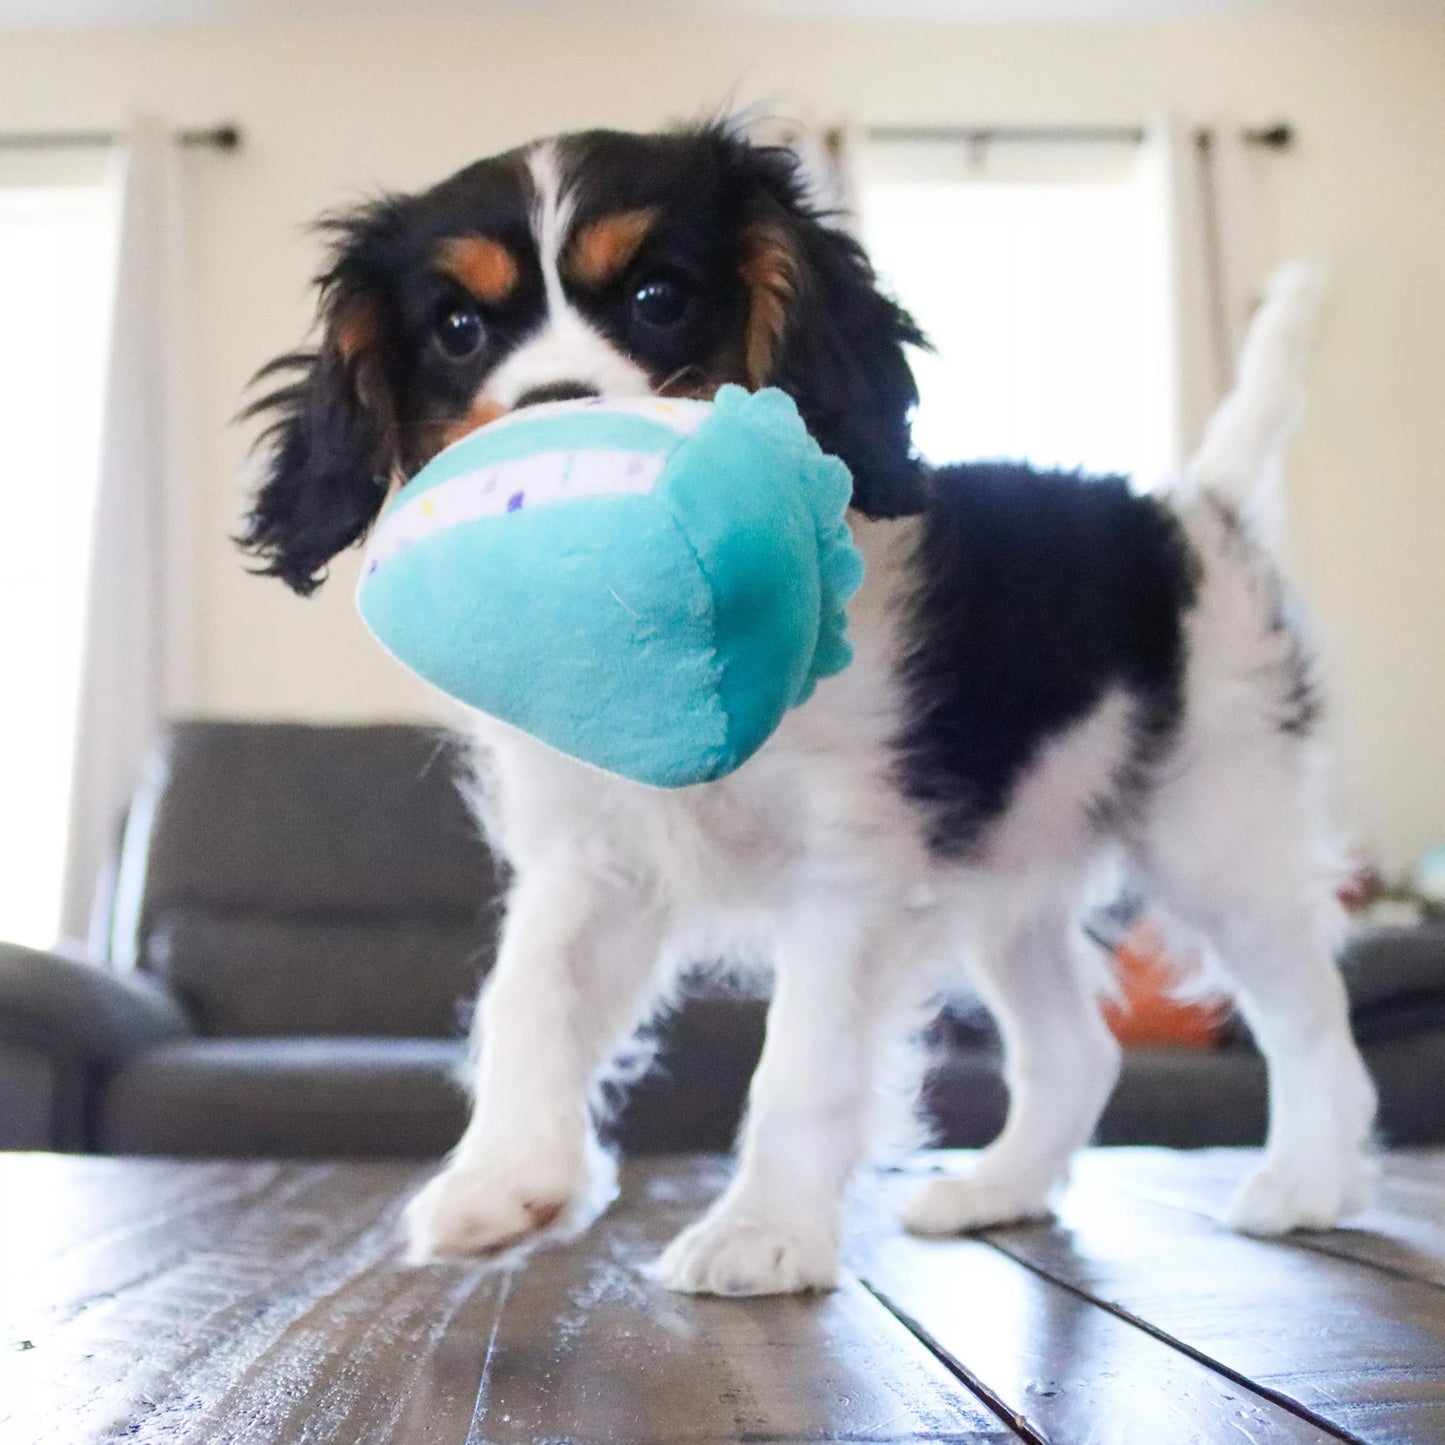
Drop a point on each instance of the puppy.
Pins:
(1053, 673)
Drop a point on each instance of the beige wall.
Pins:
(334, 109)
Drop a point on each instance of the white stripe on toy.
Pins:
(533, 481)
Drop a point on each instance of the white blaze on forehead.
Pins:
(551, 217)
(566, 348)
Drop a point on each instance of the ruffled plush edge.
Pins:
(828, 488)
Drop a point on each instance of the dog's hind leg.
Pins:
(1232, 857)
(1061, 1063)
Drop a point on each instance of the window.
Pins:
(1037, 269)
(56, 264)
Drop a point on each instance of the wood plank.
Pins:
(1067, 1369)
(1358, 1347)
(263, 1302)
(587, 1349)
(82, 1229)
(57, 1202)
(392, 1355)
(254, 1302)
(1426, 1165)
(1403, 1231)
(276, 1312)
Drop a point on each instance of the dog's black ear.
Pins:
(332, 438)
(820, 328)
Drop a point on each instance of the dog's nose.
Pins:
(556, 391)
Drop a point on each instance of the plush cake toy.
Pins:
(646, 585)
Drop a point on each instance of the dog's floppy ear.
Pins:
(332, 439)
(819, 328)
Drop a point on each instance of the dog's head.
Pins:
(593, 264)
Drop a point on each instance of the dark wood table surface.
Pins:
(149, 1300)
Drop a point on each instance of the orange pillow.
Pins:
(1148, 1013)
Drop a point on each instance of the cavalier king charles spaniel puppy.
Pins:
(1054, 674)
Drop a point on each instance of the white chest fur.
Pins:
(816, 804)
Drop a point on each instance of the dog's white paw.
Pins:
(1283, 1195)
(956, 1206)
(730, 1253)
(473, 1210)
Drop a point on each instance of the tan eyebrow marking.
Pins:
(485, 267)
(602, 248)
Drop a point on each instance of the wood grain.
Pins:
(588, 1349)
(183, 1302)
(263, 1302)
(1403, 1231)
(1061, 1366)
(247, 1301)
(1360, 1348)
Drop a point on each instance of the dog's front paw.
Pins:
(730, 1253)
(1282, 1195)
(472, 1210)
(956, 1206)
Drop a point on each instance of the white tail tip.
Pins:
(1245, 440)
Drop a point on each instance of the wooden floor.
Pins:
(180, 1302)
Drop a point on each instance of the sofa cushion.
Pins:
(692, 1095)
(1171, 1096)
(1396, 981)
(358, 1097)
(295, 880)
(249, 976)
(355, 1097)
(287, 1098)
(293, 818)
(1409, 1073)
(375, 1097)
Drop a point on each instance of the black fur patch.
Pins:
(1036, 592)
(1299, 704)
(1302, 704)
(841, 354)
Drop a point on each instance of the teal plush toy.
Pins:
(647, 585)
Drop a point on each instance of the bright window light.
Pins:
(56, 263)
(1037, 271)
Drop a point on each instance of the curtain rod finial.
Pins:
(1277, 137)
(224, 137)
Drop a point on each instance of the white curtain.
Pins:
(826, 152)
(1211, 185)
(1211, 188)
(138, 655)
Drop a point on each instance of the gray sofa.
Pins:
(300, 918)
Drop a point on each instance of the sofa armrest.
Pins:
(95, 1017)
(63, 1026)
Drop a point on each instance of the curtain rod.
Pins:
(1279, 136)
(226, 137)
(982, 134)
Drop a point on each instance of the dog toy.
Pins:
(647, 585)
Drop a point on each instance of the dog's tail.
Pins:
(1240, 457)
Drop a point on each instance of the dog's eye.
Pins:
(458, 331)
(662, 302)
